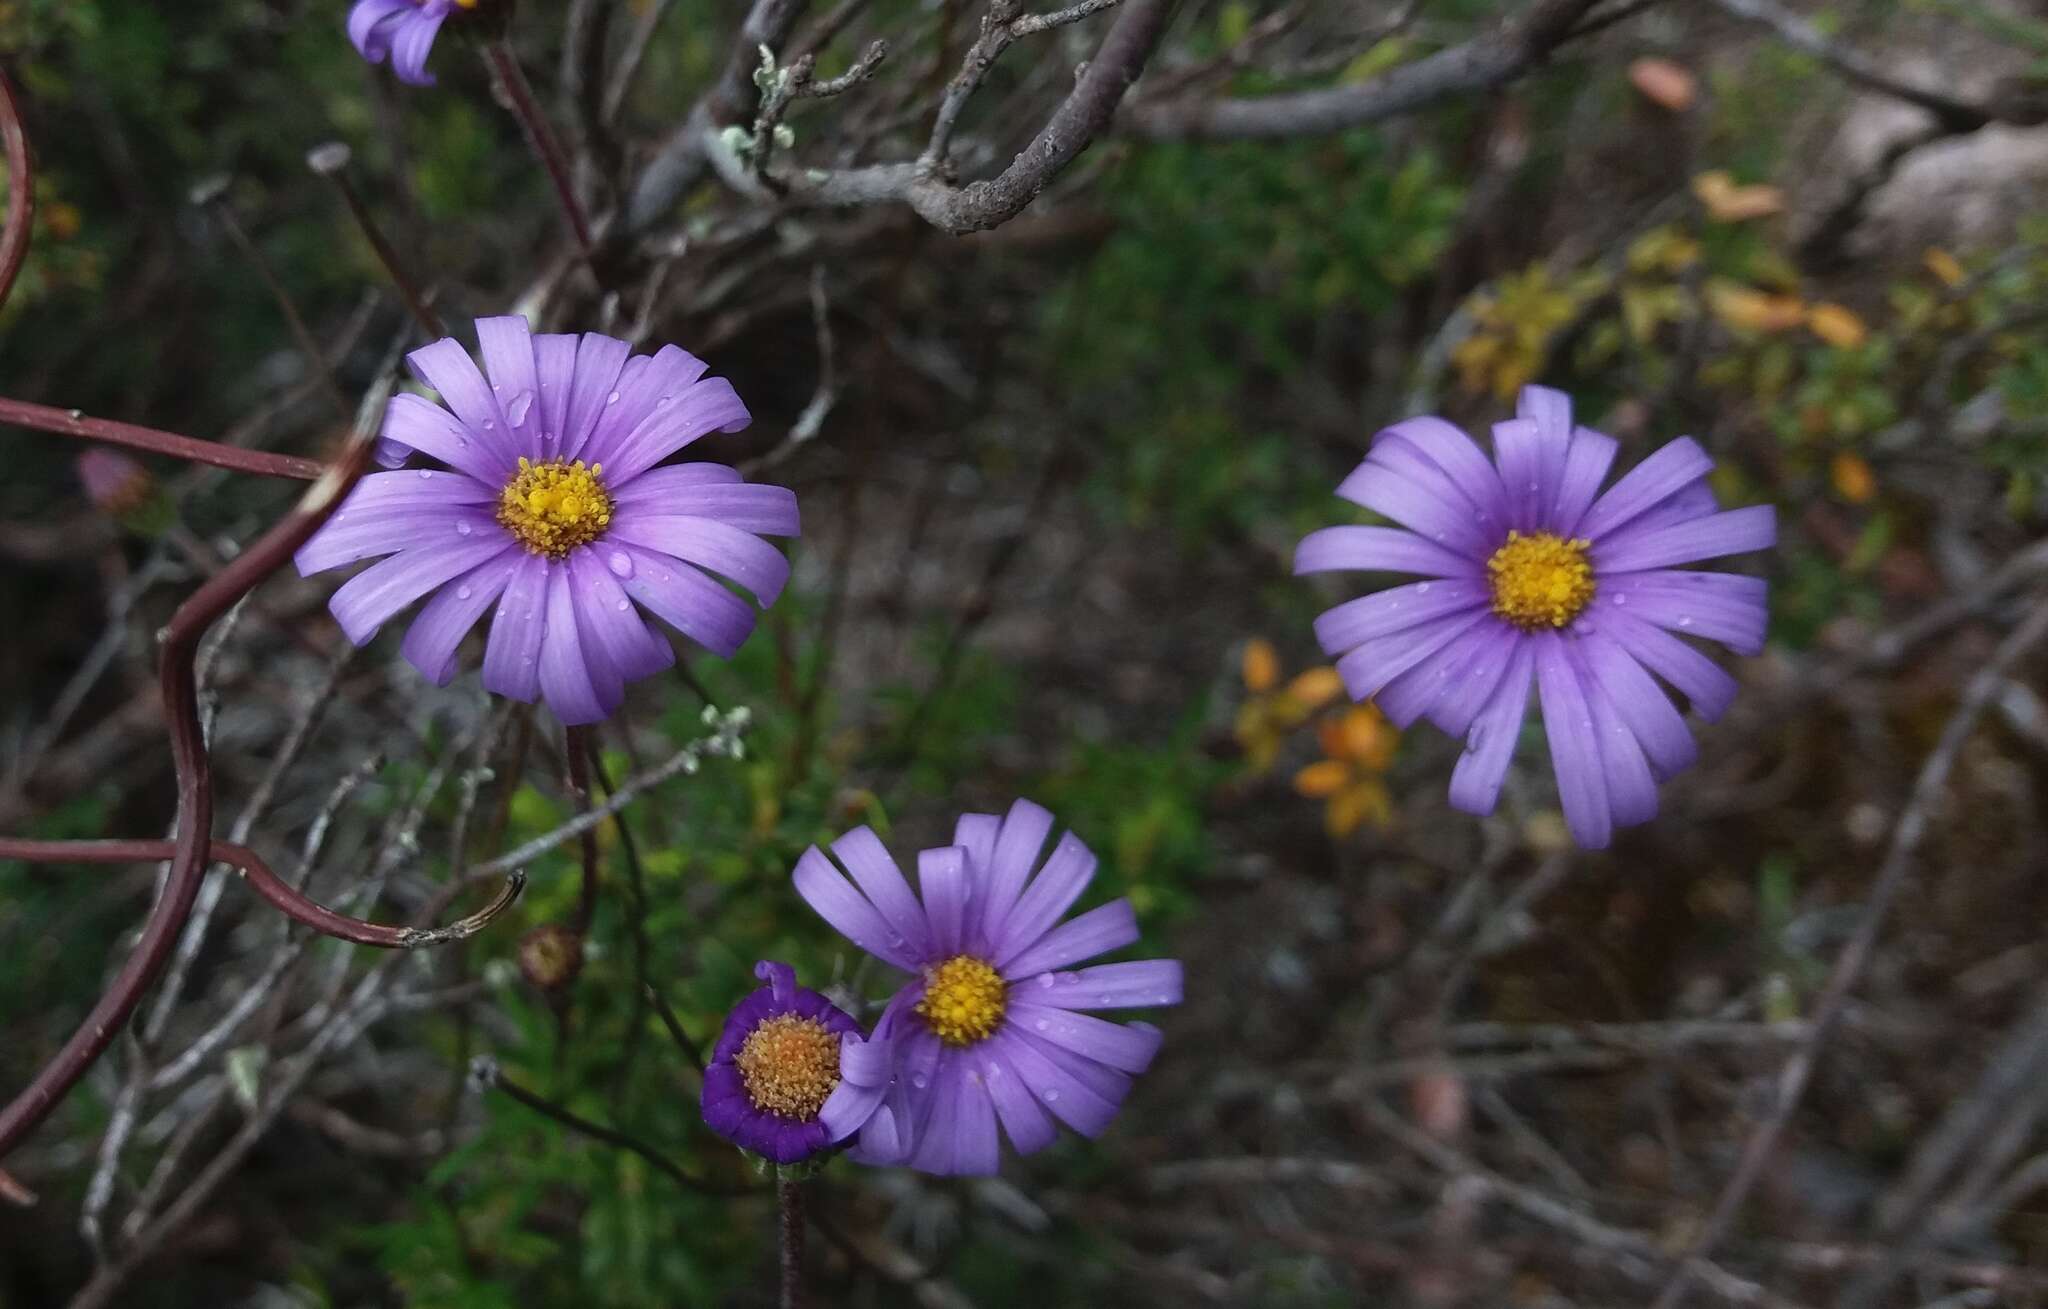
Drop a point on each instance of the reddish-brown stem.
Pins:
(194, 841)
(789, 1196)
(505, 67)
(21, 190)
(292, 903)
(70, 422)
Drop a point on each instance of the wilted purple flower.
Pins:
(115, 484)
(987, 1028)
(552, 509)
(1536, 578)
(791, 1075)
(403, 29)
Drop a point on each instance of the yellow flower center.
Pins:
(1540, 580)
(963, 1001)
(553, 507)
(789, 1066)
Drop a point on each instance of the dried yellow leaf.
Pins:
(1837, 325)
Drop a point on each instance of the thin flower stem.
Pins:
(73, 422)
(282, 895)
(505, 67)
(674, 1026)
(789, 1195)
(316, 359)
(21, 195)
(485, 1071)
(331, 162)
(576, 744)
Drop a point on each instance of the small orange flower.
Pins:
(1272, 711)
(1852, 477)
(1359, 746)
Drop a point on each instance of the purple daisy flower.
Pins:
(552, 509)
(402, 29)
(987, 1029)
(1535, 578)
(791, 1074)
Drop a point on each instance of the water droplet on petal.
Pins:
(624, 605)
(920, 1081)
(515, 413)
(1041, 1024)
(424, 474)
(462, 527)
(612, 399)
(490, 424)
(1422, 588)
(464, 592)
(620, 563)
(1621, 599)
(1045, 979)
(665, 402)
(1052, 1093)
(1686, 621)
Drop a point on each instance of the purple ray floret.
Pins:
(403, 30)
(791, 1074)
(1532, 578)
(992, 1025)
(547, 504)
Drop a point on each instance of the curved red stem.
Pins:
(21, 190)
(191, 848)
(287, 899)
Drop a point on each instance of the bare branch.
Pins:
(1476, 65)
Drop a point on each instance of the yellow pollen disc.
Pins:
(1540, 580)
(963, 1001)
(554, 507)
(789, 1066)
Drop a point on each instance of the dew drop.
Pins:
(1052, 1093)
(1045, 979)
(1621, 599)
(462, 441)
(515, 413)
(1422, 588)
(665, 402)
(490, 424)
(620, 563)
(624, 605)
(1041, 1024)
(1686, 621)
(462, 527)
(424, 474)
(920, 1081)
(464, 592)
(612, 399)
